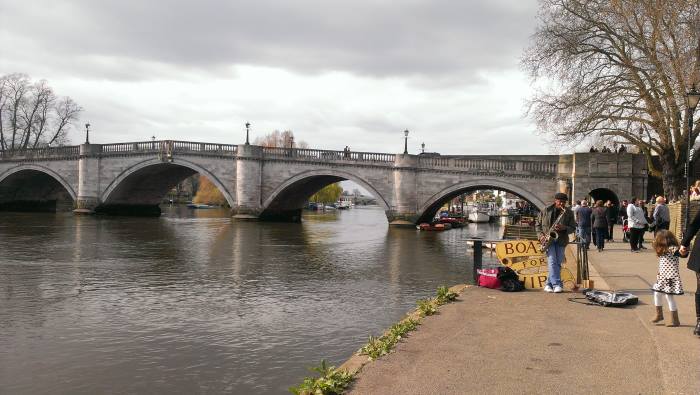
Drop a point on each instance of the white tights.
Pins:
(671, 301)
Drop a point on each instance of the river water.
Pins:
(193, 302)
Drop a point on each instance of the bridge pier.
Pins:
(88, 179)
(248, 182)
(405, 193)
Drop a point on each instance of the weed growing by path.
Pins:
(331, 382)
(427, 307)
(444, 296)
(377, 347)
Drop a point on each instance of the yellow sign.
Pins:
(525, 258)
(517, 248)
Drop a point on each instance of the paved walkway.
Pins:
(531, 342)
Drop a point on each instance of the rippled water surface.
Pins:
(193, 302)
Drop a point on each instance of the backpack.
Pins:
(509, 280)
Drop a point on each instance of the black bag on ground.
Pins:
(509, 280)
(611, 298)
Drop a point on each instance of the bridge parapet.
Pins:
(327, 155)
(44, 153)
(169, 147)
(548, 166)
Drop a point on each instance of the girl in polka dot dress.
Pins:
(668, 279)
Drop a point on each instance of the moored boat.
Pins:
(199, 205)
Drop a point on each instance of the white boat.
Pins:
(478, 212)
(478, 216)
(344, 202)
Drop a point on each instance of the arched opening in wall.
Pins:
(140, 191)
(287, 203)
(604, 194)
(482, 203)
(35, 191)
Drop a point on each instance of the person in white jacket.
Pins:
(636, 221)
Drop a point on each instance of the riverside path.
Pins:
(531, 342)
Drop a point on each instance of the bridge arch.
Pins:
(430, 207)
(295, 191)
(33, 187)
(123, 178)
(41, 169)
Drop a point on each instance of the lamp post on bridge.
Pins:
(87, 133)
(247, 132)
(405, 142)
(422, 148)
(692, 99)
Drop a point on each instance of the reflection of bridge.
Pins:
(274, 183)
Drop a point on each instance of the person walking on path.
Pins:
(555, 252)
(600, 224)
(623, 217)
(643, 205)
(693, 262)
(662, 216)
(612, 219)
(583, 221)
(668, 278)
(636, 221)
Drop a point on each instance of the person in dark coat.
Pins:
(612, 219)
(583, 222)
(693, 262)
(600, 224)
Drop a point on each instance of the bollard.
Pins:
(477, 259)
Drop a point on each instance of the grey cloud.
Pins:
(377, 38)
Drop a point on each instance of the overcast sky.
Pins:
(336, 73)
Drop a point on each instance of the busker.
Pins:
(636, 221)
(555, 218)
(668, 278)
(600, 224)
(693, 262)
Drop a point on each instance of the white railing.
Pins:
(171, 146)
(324, 155)
(66, 152)
(497, 164)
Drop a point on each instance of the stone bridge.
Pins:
(275, 183)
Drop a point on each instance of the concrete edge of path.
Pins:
(356, 362)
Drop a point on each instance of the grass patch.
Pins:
(332, 381)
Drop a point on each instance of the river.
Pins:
(193, 302)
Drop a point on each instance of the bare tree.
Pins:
(31, 115)
(280, 140)
(619, 70)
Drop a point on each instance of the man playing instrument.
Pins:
(559, 219)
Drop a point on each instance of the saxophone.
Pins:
(551, 236)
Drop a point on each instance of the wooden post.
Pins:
(477, 259)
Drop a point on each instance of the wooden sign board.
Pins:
(525, 258)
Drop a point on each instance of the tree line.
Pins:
(32, 115)
(618, 71)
